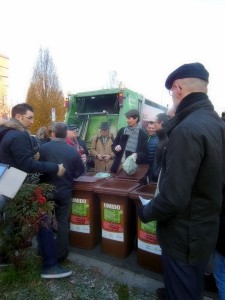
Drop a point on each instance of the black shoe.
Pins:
(161, 293)
(210, 283)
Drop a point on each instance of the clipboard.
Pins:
(11, 180)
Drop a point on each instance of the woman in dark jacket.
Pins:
(129, 140)
(43, 136)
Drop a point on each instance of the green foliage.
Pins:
(26, 283)
(30, 208)
(122, 291)
(14, 276)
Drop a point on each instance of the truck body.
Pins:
(88, 109)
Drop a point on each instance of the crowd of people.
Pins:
(185, 150)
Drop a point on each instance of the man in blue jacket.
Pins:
(54, 151)
(188, 205)
(153, 142)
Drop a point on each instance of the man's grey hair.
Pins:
(60, 130)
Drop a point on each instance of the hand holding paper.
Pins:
(144, 201)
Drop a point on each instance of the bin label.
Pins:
(149, 247)
(147, 239)
(79, 219)
(112, 222)
(80, 228)
(116, 236)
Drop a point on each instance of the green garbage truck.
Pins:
(88, 109)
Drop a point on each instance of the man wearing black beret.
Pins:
(188, 204)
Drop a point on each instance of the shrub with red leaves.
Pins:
(28, 210)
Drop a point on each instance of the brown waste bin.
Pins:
(148, 249)
(85, 219)
(118, 212)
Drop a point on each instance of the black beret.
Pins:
(194, 70)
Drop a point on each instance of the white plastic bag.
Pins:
(129, 165)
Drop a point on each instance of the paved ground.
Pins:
(124, 270)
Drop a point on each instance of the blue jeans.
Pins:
(47, 247)
(219, 274)
(62, 213)
(183, 281)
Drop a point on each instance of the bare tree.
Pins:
(4, 107)
(113, 82)
(44, 93)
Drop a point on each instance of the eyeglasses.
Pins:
(29, 118)
(170, 91)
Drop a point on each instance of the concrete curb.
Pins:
(114, 272)
(120, 274)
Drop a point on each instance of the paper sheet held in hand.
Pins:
(144, 201)
(11, 181)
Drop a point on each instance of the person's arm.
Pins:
(116, 143)
(79, 168)
(93, 150)
(183, 158)
(142, 148)
(22, 154)
(83, 144)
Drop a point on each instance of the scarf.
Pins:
(132, 141)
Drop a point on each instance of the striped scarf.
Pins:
(132, 141)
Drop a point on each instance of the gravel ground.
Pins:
(90, 283)
(85, 283)
(92, 278)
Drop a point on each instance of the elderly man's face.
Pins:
(71, 134)
(104, 132)
(176, 93)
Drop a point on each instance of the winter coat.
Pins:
(142, 149)
(152, 144)
(41, 142)
(157, 164)
(153, 141)
(57, 150)
(78, 142)
(220, 247)
(188, 205)
(16, 149)
(98, 147)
